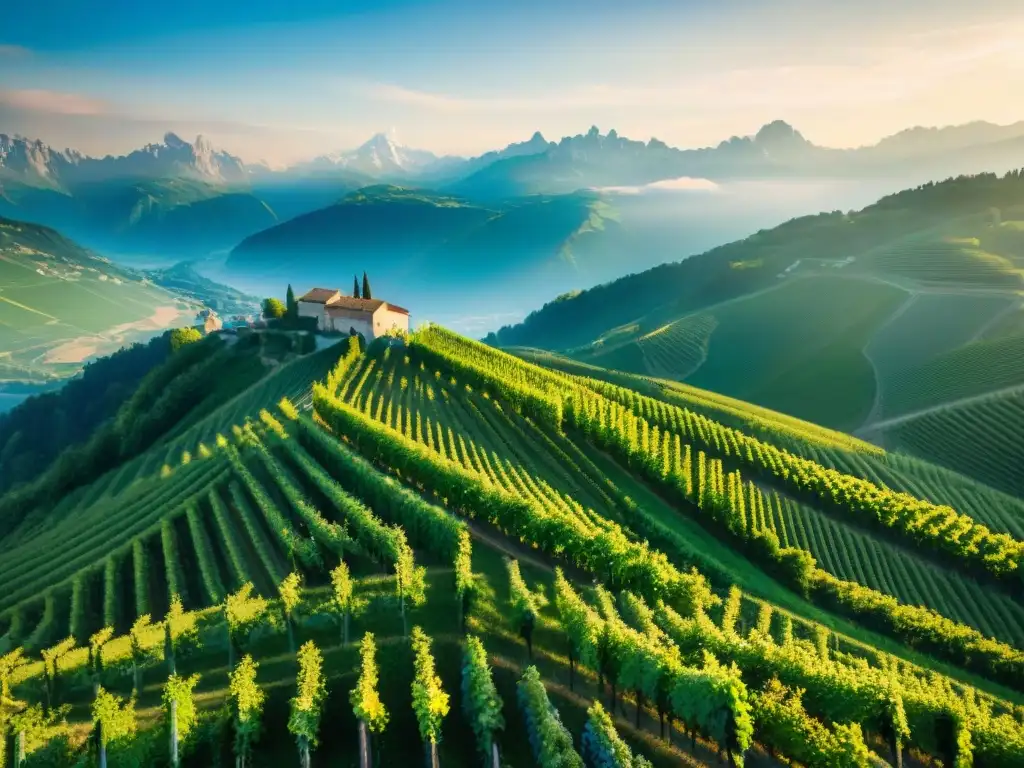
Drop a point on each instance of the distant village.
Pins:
(319, 310)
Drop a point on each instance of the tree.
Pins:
(242, 613)
(429, 701)
(182, 336)
(96, 643)
(273, 309)
(342, 598)
(525, 605)
(114, 719)
(51, 657)
(465, 583)
(180, 708)
(140, 650)
(480, 701)
(366, 287)
(355, 287)
(291, 596)
(248, 699)
(304, 722)
(291, 305)
(180, 632)
(365, 698)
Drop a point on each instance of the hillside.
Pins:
(437, 252)
(165, 219)
(841, 319)
(425, 467)
(184, 280)
(61, 304)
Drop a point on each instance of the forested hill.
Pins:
(976, 203)
(35, 432)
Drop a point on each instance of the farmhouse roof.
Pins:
(354, 305)
(319, 295)
(398, 309)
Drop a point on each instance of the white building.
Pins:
(335, 312)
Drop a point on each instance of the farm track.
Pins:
(876, 406)
(950, 405)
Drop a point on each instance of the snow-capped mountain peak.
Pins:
(382, 155)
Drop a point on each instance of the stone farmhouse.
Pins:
(336, 312)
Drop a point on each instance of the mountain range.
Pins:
(587, 159)
(180, 201)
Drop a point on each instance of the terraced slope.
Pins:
(980, 438)
(949, 259)
(969, 371)
(409, 449)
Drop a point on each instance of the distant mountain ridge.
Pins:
(532, 166)
(33, 162)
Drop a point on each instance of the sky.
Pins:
(285, 81)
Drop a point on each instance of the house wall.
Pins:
(385, 320)
(313, 309)
(344, 321)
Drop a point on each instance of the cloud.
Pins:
(681, 184)
(52, 102)
(13, 51)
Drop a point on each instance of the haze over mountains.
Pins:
(175, 200)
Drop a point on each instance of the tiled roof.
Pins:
(398, 309)
(355, 305)
(319, 295)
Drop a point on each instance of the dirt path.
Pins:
(1013, 306)
(949, 405)
(876, 406)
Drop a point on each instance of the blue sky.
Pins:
(286, 80)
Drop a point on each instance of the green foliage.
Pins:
(601, 745)
(116, 717)
(306, 706)
(244, 611)
(429, 701)
(365, 697)
(481, 703)
(247, 698)
(39, 726)
(182, 336)
(526, 604)
(290, 591)
(367, 294)
(182, 625)
(783, 723)
(550, 740)
(464, 578)
(179, 690)
(273, 309)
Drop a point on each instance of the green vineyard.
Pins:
(970, 371)
(437, 549)
(944, 260)
(978, 438)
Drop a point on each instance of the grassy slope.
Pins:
(798, 349)
(52, 291)
(971, 370)
(980, 438)
(928, 326)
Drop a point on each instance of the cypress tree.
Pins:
(355, 287)
(291, 305)
(366, 287)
